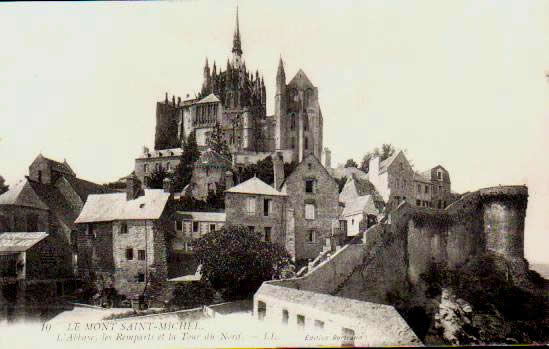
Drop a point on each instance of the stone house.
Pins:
(190, 226)
(393, 178)
(441, 194)
(423, 189)
(313, 203)
(124, 239)
(48, 200)
(258, 206)
(151, 160)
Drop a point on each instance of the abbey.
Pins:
(235, 98)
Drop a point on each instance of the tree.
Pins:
(184, 170)
(387, 150)
(351, 163)
(217, 143)
(235, 261)
(263, 170)
(156, 179)
(3, 187)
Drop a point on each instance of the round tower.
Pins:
(504, 212)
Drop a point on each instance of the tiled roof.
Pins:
(359, 205)
(340, 172)
(84, 188)
(22, 194)
(255, 186)
(110, 207)
(19, 242)
(56, 202)
(203, 216)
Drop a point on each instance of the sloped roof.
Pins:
(422, 177)
(110, 207)
(19, 242)
(84, 188)
(340, 172)
(322, 168)
(22, 194)
(212, 158)
(358, 205)
(56, 202)
(387, 162)
(255, 185)
(203, 216)
(211, 98)
(300, 79)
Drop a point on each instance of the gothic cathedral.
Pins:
(235, 99)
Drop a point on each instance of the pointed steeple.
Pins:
(237, 47)
(280, 77)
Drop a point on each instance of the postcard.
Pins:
(181, 174)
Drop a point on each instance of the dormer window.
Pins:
(159, 154)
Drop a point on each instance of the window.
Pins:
(418, 202)
(91, 232)
(300, 321)
(401, 166)
(212, 228)
(146, 168)
(309, 211)
(261, 310)
(251, 228)
(141, 277)
(426, 189)
(352, 222)
(129, 254)
(250, 206)
(309, 186)
(439, 175)
(309, 166)
(293, 143)
(285, 316)
(404, 184)
(141, 255)
(267, 236)
(178, 225)
(167, 166)
(306, 143)
(267, 207)
(195, 227)
(123, 228)
(440, 189)
(311, 237)
(444, 205)
(319, 324)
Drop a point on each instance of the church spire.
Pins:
(237, 47)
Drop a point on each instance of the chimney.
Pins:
(167, 185)
(278, 170)
(229, 182)
(327, 158)
(178, 101)
(133, 186)
(145, 150)
(173, 100)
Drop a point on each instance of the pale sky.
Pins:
(456, 83)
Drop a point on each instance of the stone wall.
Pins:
(50, 258)
(95, 251)
(325, 199)
(23, 219)
(236, 214)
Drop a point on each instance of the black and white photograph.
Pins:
(239, 173)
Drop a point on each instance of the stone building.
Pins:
(190, 226)
(48, 200)
(258, 206)
(397, 182)
(209, 174)
(124, 239)
(235, 98)
(313, 198)
(151, 160)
